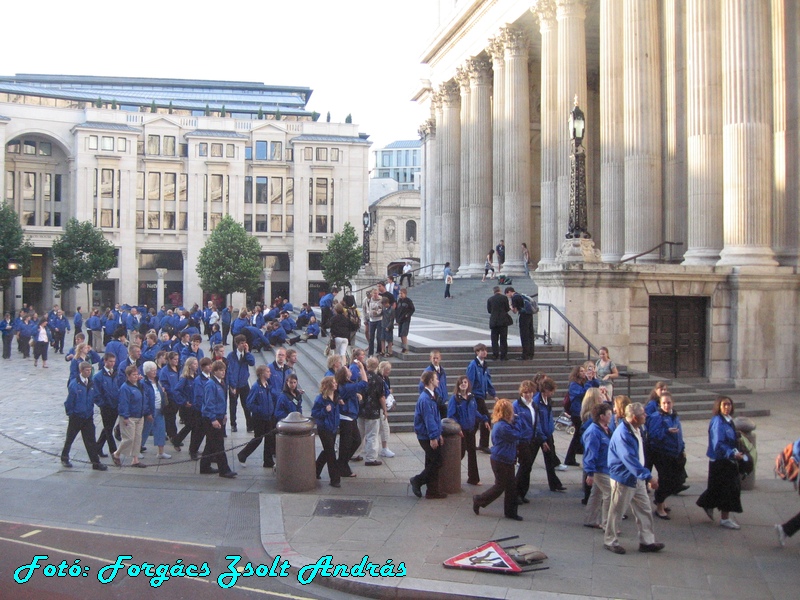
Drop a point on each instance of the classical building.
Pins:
(156, 163)
(691, 137)
(394, 233)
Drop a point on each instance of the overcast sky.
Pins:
(359, 56)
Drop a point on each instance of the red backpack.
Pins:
(786, 467)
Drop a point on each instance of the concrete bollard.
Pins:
(450, 472)
(748, 429)
(294, 453)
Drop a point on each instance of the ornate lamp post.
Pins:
(365, 258)
(577, 176)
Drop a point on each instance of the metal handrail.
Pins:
(383, 280)
(570, 326)
(661, 245)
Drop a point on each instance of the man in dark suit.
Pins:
(497, 306)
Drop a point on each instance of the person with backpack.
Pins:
(788, 469)
(521, 306)
(374, 401)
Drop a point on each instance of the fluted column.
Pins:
(747, 134)
(612, 132)
(427, 133)
(497, 52)
(704, 131)
(450, 157)
(791, 15)
(462, 78)
(545, 10)
(435, 243)
(480, 167)
(571, 17)
(517, 173)
(643, 215)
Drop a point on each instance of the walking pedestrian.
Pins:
(428, 427)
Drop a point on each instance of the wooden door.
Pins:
(677, 344)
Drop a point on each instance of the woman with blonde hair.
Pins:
(505, 436)
(620, 402)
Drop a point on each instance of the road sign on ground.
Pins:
(488, 557)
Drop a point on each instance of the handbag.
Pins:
(390, 402)
(744, 446)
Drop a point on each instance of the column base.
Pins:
(578, 250)
(512, 268)
(736, 256)
(470, 270)
(701, 256)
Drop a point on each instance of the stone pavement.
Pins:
(700, 560)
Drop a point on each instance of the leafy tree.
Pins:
(328, 118)
(223, 112)
(169, 108)
(348, 119)
(153, 107)
(342, 259)
(99, 102)
(260, 113)
(230, 261)
(207, 111)
(114, 104)
(13, 245)
(278, 114)
(314, 116)
(81, 255)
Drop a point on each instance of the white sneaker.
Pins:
(163, 455)
(387, 453)
(141, 455)
(562, 467)
(729, 524)
(782, 537)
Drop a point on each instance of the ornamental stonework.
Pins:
(480, 71)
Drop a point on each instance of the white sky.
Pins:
(358, 56)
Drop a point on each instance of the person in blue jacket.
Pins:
(117, 345)
(225, 318)
(195, 412)
(156, 399)
(325, 413)
(629, 482)
(349, 435)
(287, 322)
(579, 382)
(168, 377)
(290, 400)
(26, 330)
(183, 394)
(505, 437)
(724, 482)
(667, 452)
(80, 410)
(77, 321)
(193, 350)
(482, 388)
(326, 306)
(215, 337)
(239, 362)
(276, 335)
(261, 404)
(305, 315)
(525, 419)
(596, 439)
(214, 420)
(7, 328)
(106, 398)
(132, 410)
(94, 328)
(240, 322)
(543, 431)
(59, 325)
(42, 338)
(428, 427)
(464, 409)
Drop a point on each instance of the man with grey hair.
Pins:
(629, 481)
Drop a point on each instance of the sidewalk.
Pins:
(700, 560)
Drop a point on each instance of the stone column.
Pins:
(571, 17)
(517, 172)
(424, 222)
(792, 141)
(545, 10)
(480, 173)
(268, 285)
(704, 131)
(642, 67)
(17, 300)
(435, 244)
(467, 126)
(747, 134)
(498, 139)
(160, 273)
(450, 149)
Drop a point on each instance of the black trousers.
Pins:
(328, 455)
(525, 458)
(215, 448)
(484, 434)
(468, 448)
(40, 350)
(526, 335)
(374, 328)
(7, 346)
(86, 428)
(349, 441)
(575, 445)
(327, 313)
(187, 415)
(226, 329)
(499, 341)
(109, 416)
(403, 276)
(58, 341)
(260, 427)
(433, 462)
(198, 432)
(792, 526)
(504, 483)
(25, 346)
(78, 329)
(550, 462)
(169, 422)
(240, 393)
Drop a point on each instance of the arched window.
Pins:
(411, 231)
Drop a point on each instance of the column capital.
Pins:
(160, 273)
(571, 6)
(496, 50)
(480, 71)
(449, 93)
(462, 77)
(515, 41)
(545, 12)
(427, 129)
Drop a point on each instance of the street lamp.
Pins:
(577, 176)
(14, 264)
(365, 248)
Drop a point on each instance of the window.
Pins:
(183, 150)
(154, 186)
(169, 220)
(216, 188)
(10, 185)
(276, 190)
(140, 147)
(248, 153)
(386, 159)
(276, 223)
(322, 191)
(322, 154)
(261, 150)
(183, 221)
(202, 149)
(29, 148)
(411, 231)
(322, 224)
(289, 223)
(315, 261)
(248, 223)
(248, 190)
(183, 187)
(139, 219)
(308, 154)
(45, 149)
(261, 190)
(230, 151)
(415, 154)
(261, 223)
(154, 220)
(57, 189)
(47, 188)
(216, 150)
(107, 184)
(290, 155)
(153, 144)
(169, 145)
(56, 219)
(139, 186)
(275, 150)
(13, 147)
(170, 180)
(290, 190)
(28, 186)
(122, 145)
(94, 186)
(334, 154)
(106, 218)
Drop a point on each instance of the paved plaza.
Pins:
(701, 560)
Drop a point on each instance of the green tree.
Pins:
(230, 261)
(342, 259)
(99, 102)
(260, 113)
(328, 118)
(169, 108)
(278, 114)
(314, 116)
(81, 255)
(114, 104)
(207, 111)
(348, 119)
(223, 112)
(153, 107)
(13, 245)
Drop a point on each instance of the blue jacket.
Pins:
(427, 423)
(313, 329)
(132, 403)
(505, 437)
(623, 457)
(187, 352)
(287, 404)
(215, 400)
(651, 407)
(225, 316)
(480, 378)
(106, 390)
(150, 396)
(544, 419)
(121, 377)
(289, 324)
(326, 301)
(277, 378)
(60, 324)
(595, 449)
(272, 314)
(524, 419)
(257, 320)
(277, 336)
(78, 320)
(132, 323)
(465, 411)
(348, 393)
(110, 325)
(199, 391)
(238, 325)
(576, 393)
(307, 313)
(721, 439)
(216, 338)
(238, 373)
(79, 400)
(7, 327)
(169, 381)
(260, 402)
(658, 436)
(184, 390)
(93, 323)
(287, 306)
(149, 352)
(118, 349)
(441, 389)
(325, 419)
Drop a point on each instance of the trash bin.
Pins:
(450, 472)
(748, 430)
(294, 453)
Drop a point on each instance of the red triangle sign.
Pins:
(489, 557)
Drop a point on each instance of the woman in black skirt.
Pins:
(724, 483)
(667, 451)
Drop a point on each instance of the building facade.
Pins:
(400, 161)
(692, 138)
(155, 164)
(394, 232)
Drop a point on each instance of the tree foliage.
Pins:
(230, 261)
(342, 259)
(348, 118)
(81, 255)
(13, 245)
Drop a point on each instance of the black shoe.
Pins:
(476, 508)
(143, 449)
(524, 500)
(176, 443)
(683, 488)
(65, 463)
(211, 471)
(572, 464)
(268, 466)
(336, 484)
(662, 517)
(228, 475)
(521, 358)
(102, 455)
(415, 487)
(139, 465)
(99, 467)
(194, 456)
(249, 430)
(373, 463)
(616, 549)
(654, 547)
(584, 501)
(233, 429)
(484, 450)
(561, 489)
(514, 517)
